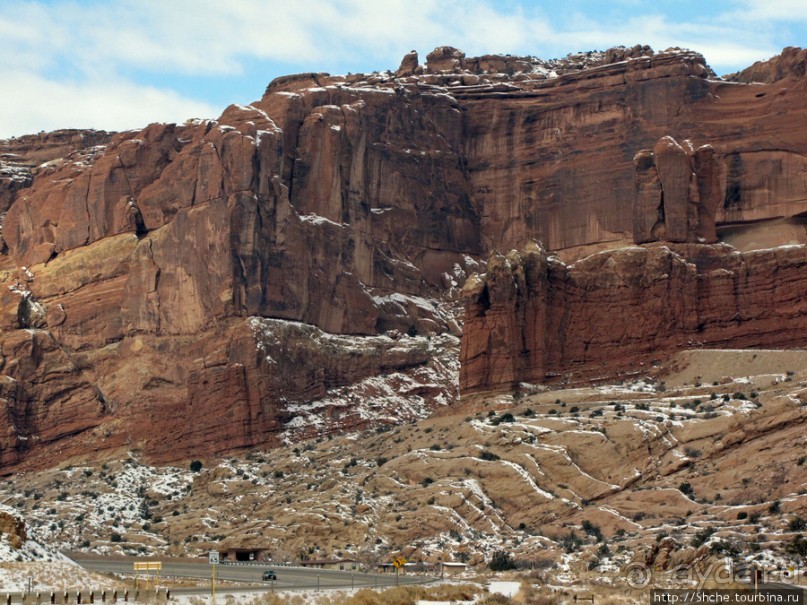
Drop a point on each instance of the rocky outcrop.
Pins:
(21, 158)
(12, 528)
(677, 193)
(791, 63)
(531, 318)
(135, 265)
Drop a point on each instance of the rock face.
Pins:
(144, 273)
(677, 193)
(792, 63)
(534, 319)
(13, 529)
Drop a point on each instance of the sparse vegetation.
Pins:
(501, 561)
(702, 536)
(798, 546)
(571, 542)
(692, 452)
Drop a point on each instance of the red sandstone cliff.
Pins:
(534, 319)
(177, 289)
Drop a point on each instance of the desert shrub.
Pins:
(726, 548)
(797, 524)
(798, 546)
(571, 542)
(686, 489)
(506, 417)
(501, 561)
(702, 536)
(196, 466)
(592, 530)
(489, 456)
(742, 515)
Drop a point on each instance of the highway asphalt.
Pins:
(248, 576)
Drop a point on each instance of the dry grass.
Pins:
(401, 595)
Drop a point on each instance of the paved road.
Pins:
(288, 578)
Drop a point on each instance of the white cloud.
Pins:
(31, 103)
(92, 49)
(790, 11)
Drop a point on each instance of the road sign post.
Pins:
(147, 566)
(213, 557)
(398, 562)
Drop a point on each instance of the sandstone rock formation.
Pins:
(135, 267)
(12, 528)
(677, 193)
(791, 63)
(533, 319)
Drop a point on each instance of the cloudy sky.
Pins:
(122, 64)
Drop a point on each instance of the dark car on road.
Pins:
(269, 575)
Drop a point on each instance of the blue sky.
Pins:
(122, 64)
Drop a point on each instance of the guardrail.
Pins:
(83, 597)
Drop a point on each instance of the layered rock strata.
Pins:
(531, 318)
(135, 266)
(677, 193)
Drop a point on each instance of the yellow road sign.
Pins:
(399, 562)
(148, 566)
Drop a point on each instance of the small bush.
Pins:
(686, 489)
(702, 536)
(501, 561)
(742, 515)
(592, 530)
(196, 466)
(489, 456)
(571, 542)
(797, 524)
(798, 546)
